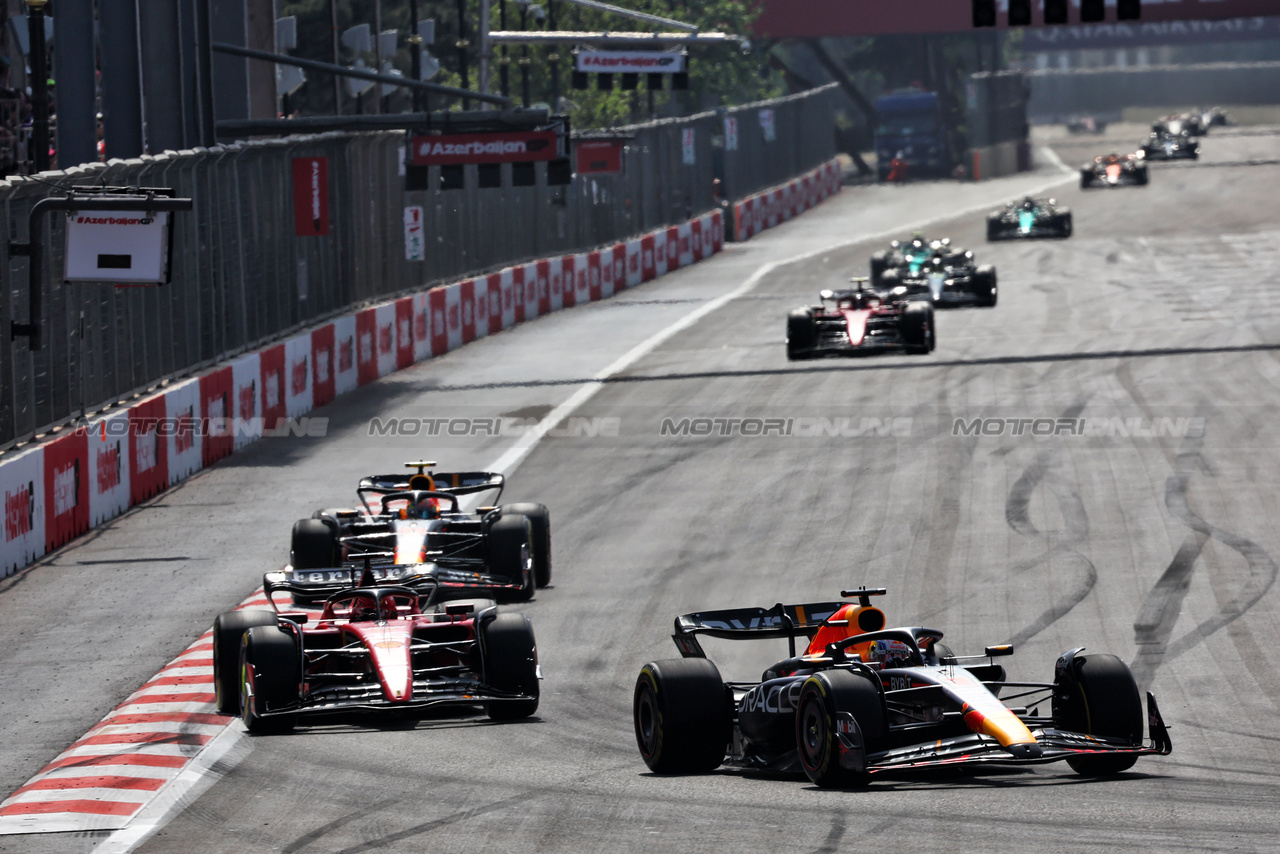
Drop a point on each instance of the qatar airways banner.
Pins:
(782, 19)
(456, 149)
(631, 61)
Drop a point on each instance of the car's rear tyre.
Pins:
(509, 550)
(682, 716)
(879, 263)
(540, 541)
(270, 679)
(917, 327)
(985, 287)
(1141, 177)
(890, 279)
(1064, 224)
(993, 227)
(314, 545)
(510, 655)
(824, 697)
(802, 333)
(1086, 180)
(1100, 698)
(228, 629)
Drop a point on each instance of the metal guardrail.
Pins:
(241, 276)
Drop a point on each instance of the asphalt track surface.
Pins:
(1162, 311)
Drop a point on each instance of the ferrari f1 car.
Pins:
(863, 701)
(378, 645)
(1167, 145)
(934, 270)
(1027, 218)
(1113, 170)
(860, 321)
(417, 520)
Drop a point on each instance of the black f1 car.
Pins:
(863, 701)
(1113, 170)
(379, 645)
(417, 520)
(934, 270)
(860, 321)
(1027, 218)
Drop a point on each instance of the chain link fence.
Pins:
(242, 276)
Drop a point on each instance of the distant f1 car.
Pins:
(377, 646)
(1170, 146)
(417, 520)
(1113, 170)
(1027, 218)
(1182, 124)
(863, 701)
(859, 321)
(934, 270)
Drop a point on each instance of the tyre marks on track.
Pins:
(1071, 567)
(1158, 615)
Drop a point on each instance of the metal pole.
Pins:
(377, 53)
(415, 53)
(524, 56)
(73, 65)
(39, 89)
(337, 60)
(484, 46)
(554, 56)
(504, 71)
(462, 50)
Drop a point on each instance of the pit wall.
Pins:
(80, 478)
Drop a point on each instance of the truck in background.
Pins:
(911, 128)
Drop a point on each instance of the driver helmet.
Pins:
(422, 507)
(363, 610)
(890, 653)
(1028, 204)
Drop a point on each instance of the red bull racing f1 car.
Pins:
(862, 701)
(860, 321)
(417, 521)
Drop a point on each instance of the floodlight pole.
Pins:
(39, 82)
(482, 82)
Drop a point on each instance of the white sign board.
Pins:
(690, 152)
(730, 133)
(631, 61)
(415, 247)
(117, 246)
(767, 125)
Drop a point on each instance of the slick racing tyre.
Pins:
(228, 629)
(1063, 223)
(508, 543)
(984, 285)
(682, 716)
(1086, 180)
(510, 656)
(1100, 698)
(993, 227)
(917, 327)
(540, 542)
(270, 677)
(879, 263)
(826, 698)
(1140, 177)
(314, 545)
(802, 333)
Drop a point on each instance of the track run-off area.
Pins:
(1142, 525)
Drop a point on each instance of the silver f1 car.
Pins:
(1028, 218)
(864, 701)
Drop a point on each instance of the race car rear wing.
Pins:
(455, 483)
(780, 621)
(437, 582)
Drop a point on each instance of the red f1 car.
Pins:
(376, 646)
(864, 701)
(859, 321)
(1113, 170)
